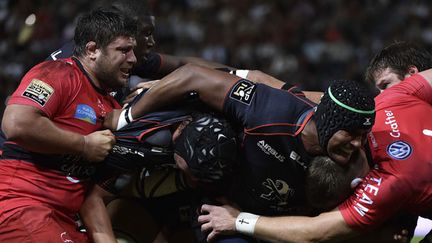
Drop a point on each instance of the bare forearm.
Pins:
(95, 217)
(323, 228)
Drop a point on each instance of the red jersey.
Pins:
(64, 93)
(400, 141)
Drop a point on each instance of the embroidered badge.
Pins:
(399, 150)
(243, 91)
(38, 91)
(85, 113)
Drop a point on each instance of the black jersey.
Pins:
(272, 174)
(145, 142)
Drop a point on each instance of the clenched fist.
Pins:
(97, 145)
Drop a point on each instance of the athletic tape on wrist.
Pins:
(129, 117)
(240, 73)
(122, 119)
(245, 223)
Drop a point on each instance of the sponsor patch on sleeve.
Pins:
(243, 91)
(399, 150)
(38, 91)
(85, 113)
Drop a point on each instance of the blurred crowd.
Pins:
(307, 42)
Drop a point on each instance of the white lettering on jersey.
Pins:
(370, 190)
(266, 148)
(391, 120)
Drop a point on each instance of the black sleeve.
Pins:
(253, 104)
(64, 52)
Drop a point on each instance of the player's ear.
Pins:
(91, 49)
(412, 70)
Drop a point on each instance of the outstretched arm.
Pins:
(210, 85)
(328, 226)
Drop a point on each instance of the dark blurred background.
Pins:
(308, 42)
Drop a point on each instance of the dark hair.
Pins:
(102, 26)
(346, 105)
(399, 56)
(329, 183)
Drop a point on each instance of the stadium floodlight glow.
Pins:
(30, 20)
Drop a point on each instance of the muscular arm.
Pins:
(30, 128)
(95, 216)
(211, 86)
(329, 226)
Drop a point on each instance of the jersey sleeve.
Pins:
(254, 104)
(64, 52)
(417, 86)
(377, 199)
(48, 87)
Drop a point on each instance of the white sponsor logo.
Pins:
(399, 150)
(270, 151)
(367, 121)
(391, 121)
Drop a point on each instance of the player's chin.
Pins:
(122, 79)
(340, 157)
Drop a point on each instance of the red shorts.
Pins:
(37, 223)
(38, 205)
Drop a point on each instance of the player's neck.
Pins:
(89, 67)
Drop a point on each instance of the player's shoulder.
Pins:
(62, 69)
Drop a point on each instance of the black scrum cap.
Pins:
(346, 105)
(209, 147)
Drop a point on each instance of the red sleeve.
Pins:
(417, 86)
(378, 198)
(48, 86)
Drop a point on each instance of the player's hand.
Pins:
(218, 220)
(138, 89)
(97, 145)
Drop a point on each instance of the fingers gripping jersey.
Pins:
(400, 142)
(271, 179)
